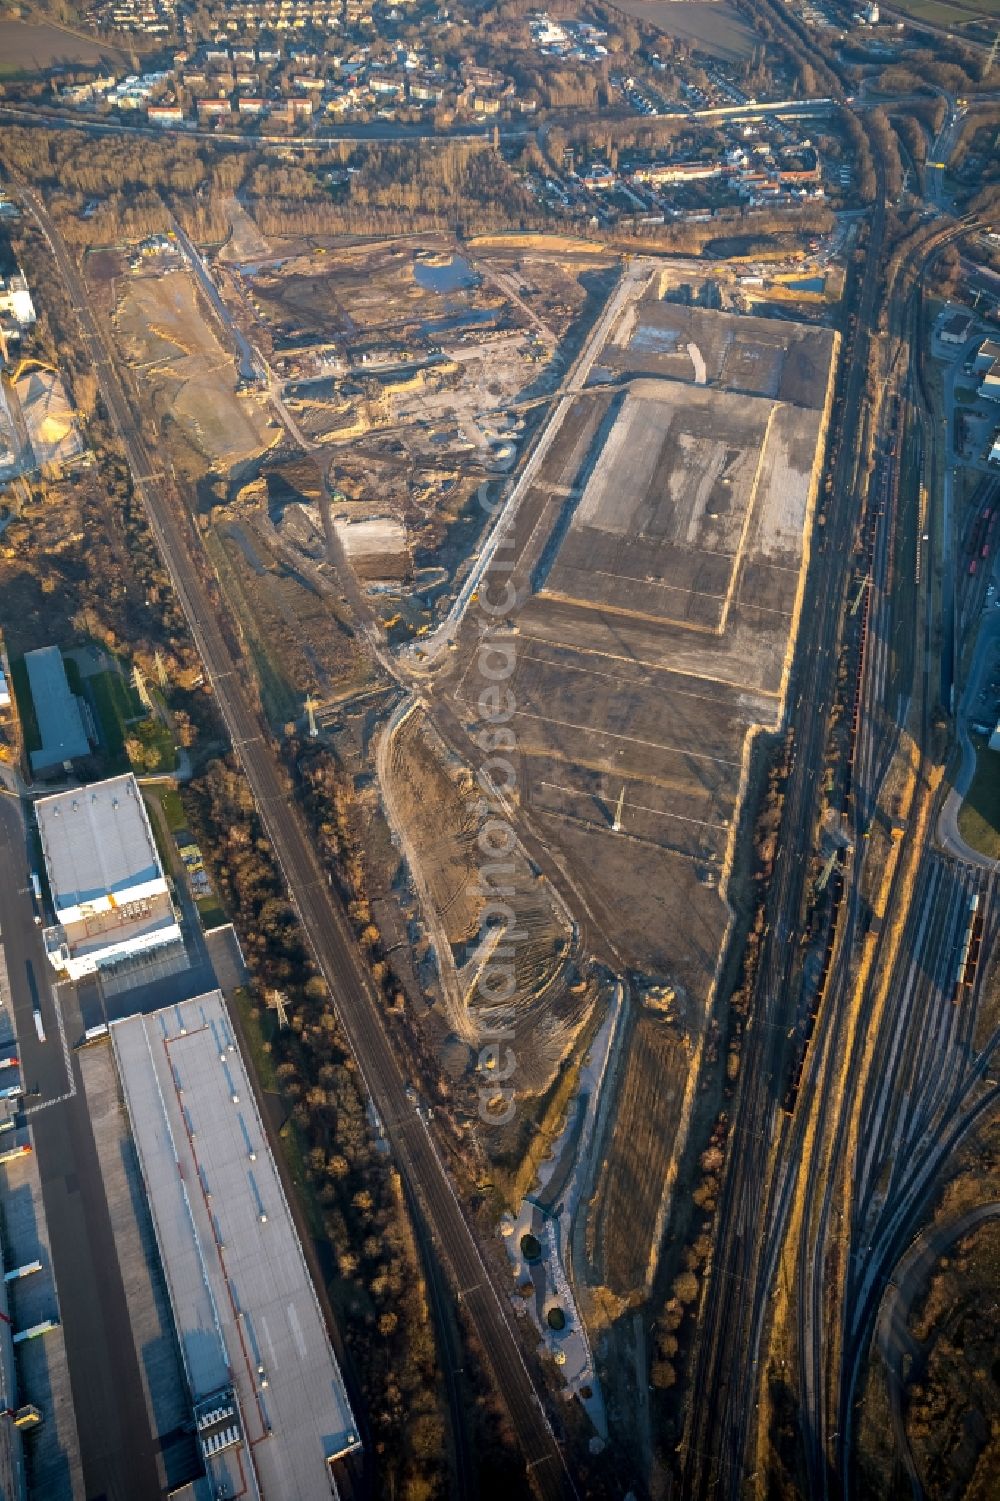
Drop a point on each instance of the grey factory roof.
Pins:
(97, 844)
(239, 1286)
(60, 723)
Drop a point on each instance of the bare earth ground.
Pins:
(660, 556)
(707, 25)
(435, 798)
(49, 418)
(191, 377)
(418, 396)
(661, 546)
(32, 46)
(650, 1098)
(659, 551)
(298, 643)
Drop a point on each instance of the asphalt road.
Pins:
(323, 918)
(117, 1448)
(43, 1064)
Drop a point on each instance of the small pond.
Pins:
(444, 276)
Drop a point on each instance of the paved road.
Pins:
(323, 917)
(117, 1448)
(940, 155)
(43, 1064)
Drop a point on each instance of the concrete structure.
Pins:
(109, 895)
(4, 690)
(993, 457)
(57, 710)
(995, 738)
(270, 1407)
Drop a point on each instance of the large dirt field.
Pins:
(416, 368)
(752, 355)
(706, 25)
(694, 508)
(433, 799)
(35, 46)
(191, 378)
(630, 1189)
(288, 618)
(660, 553)
(658, 557)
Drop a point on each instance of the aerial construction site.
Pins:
(522, 528)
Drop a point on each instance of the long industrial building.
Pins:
(272, 1416)
(109, 894)
(57, 711)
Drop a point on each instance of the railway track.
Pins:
(824, 1291)
(754, 1201)
(757, 1193)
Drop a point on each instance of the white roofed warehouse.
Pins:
(109, 894)
(271, 1412)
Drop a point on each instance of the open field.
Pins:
(706, 25)
(126, 727)
(191, 378)
(433, 798)
(693, 513)
(417, 369)
(752, 355)
(952, 13)
(34, 46)
(436, 801)
(295, 637)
